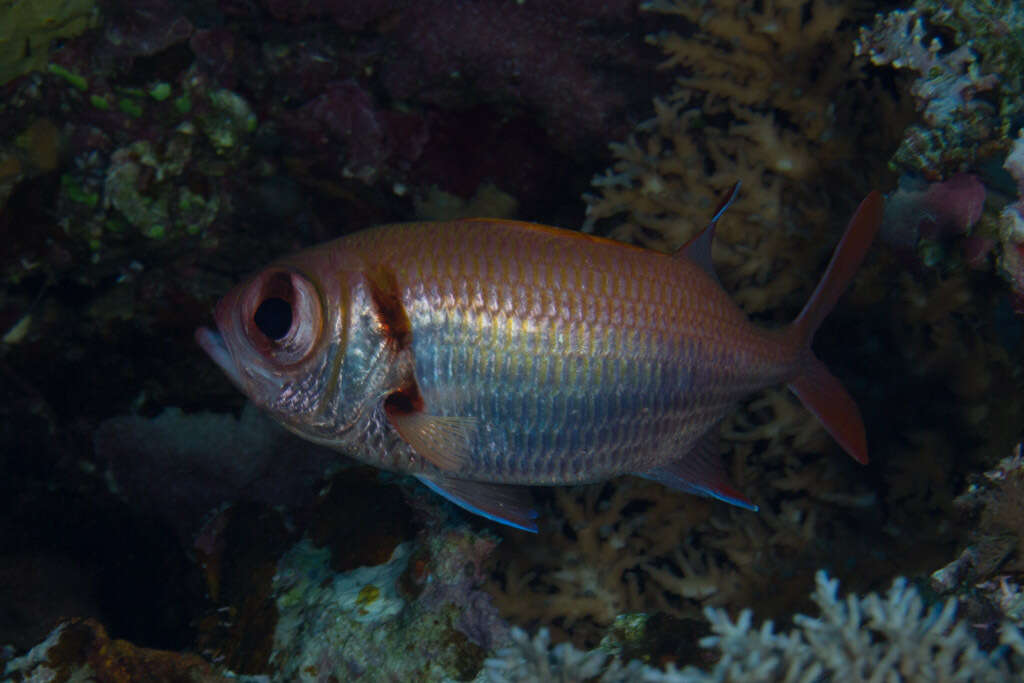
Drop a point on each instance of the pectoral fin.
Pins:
(502, 503)
(445, 442)
(702, 472)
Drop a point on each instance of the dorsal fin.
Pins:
(698, 249)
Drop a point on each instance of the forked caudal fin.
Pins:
(815, 386)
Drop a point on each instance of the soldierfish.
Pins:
(483, 356)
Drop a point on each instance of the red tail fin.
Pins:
(817, 389)
(845, 261)
(822, 394)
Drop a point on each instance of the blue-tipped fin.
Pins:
(698, 249)
(701, 472)
(501, 503)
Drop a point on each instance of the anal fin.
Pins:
(701, 472)
(502, 503)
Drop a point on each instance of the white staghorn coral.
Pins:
(854, 639)
(867, 638)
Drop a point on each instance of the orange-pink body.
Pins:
(495, 352)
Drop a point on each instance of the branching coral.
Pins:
(858, 639)
(971, 96)
(752, 105)
(593, 557)
(745, 53)
(533, 659)
(639, 547)
(756, 101)
(996, 501)
(870, 638)
(956, 121)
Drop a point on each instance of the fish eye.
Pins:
(283, 316)
(274, 317)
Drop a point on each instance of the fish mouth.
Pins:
(212, 343)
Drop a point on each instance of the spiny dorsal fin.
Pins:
(698, 249)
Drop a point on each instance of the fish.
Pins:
(487, 356)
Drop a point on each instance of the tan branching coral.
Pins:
(768, 94)
(893, 637)
(633, 546)
(755, 102)
(594, 555)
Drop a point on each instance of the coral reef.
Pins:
(956, 120)
(540, 58)
(34, 151)
(971, 96)
(28, 28)
(763, 97)
(896, 637)
(82, 650)
(985, 576)
(1011, 223)
(422, 602)
(148, 163)
(767, 114)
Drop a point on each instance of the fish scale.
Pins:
(504, 384)
(479, 355)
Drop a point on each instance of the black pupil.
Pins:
(274, 317)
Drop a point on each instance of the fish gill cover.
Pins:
(147, 164)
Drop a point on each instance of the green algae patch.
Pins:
(160, 91)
